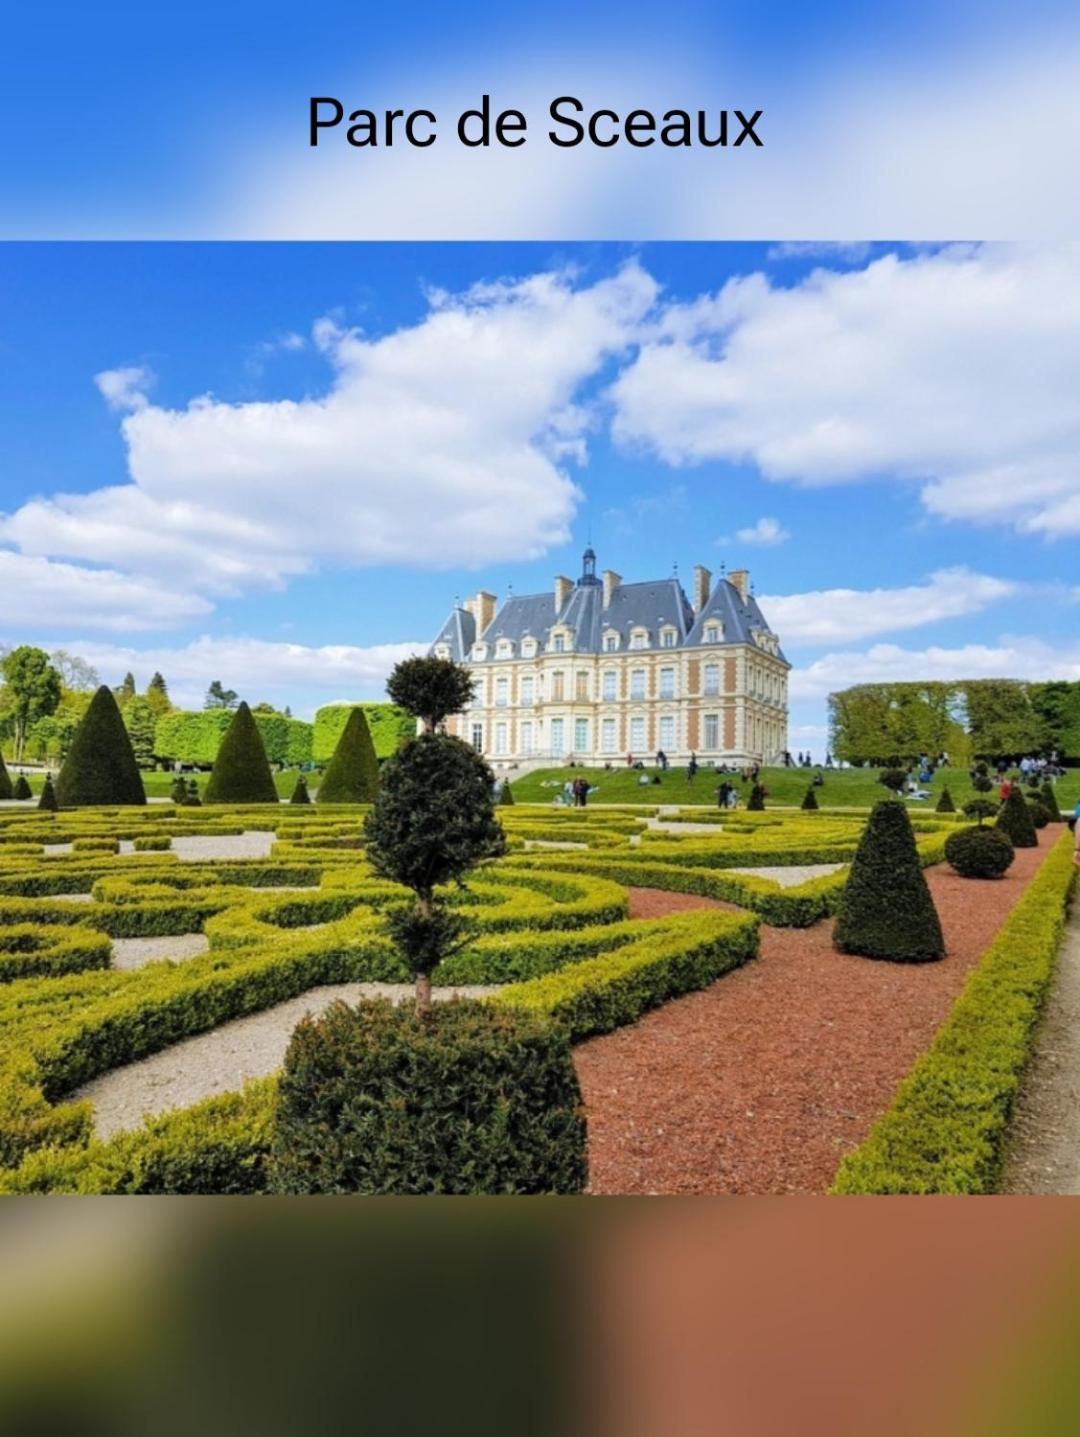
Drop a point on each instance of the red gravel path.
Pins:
(761, 1083)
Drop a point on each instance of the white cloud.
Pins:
(125, 389)
(953, 370)
(849, 251)
(435, 445)
(826, 616)
(37, 593)
(765, 532)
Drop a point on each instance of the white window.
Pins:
(528, 648)
(559, 644)
(639, 639)
(479, 651)
(637, 683)
(526, 737)
(526, 689)
(637, 734)
(667, 732)
(611, 643)
(607, 735)
(442, 651)
(712, 679)
(712, 731)
(502, 689)
(500, 738)
(667, 683)
(609, 682)
(667, 638)
(581, 735)
(713, 633)
(557, 686)
(478, 737)
(503, 649)
(558, 743)
(581, 686)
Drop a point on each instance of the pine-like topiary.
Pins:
(1040, 814)
(886, 910)
(6, 787)
(178, 791)
(1048, 799)
(100, 767)
(809, 802)
(300, 792)
(241, 771)
(21, 789)
(352, 775)
(756, 802)
(506, 795)
(1016, 822)
(191, 797)
(979, 852)
(945, 802)
(48, 795)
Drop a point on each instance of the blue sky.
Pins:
(278, 464)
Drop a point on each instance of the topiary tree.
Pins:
(980, 808)
(241, 772)
(893, 779)
(809, 802)
(1048, 799)
(191, 798)
(981, 781)
(756, 802)
(48, 795)
(352, 775)
(506, 795)
(22, 789)
(945, 802)
(433, 818)
(1040, 815)
(6, 790)
(979, 852)
(100, 767)
(476, 1098)
(1014, 819)
(886, 910)
(178, 791)
(300, 792)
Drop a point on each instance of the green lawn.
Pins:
(843, 788)
(159, 785)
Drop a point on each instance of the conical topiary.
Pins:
(886, 910)
(48, 795)
(352, 775)
(1015, 821)
(506, 794)
(241, 770)
(6, 788)
(809, 803)
(191, 796)
(22, 789)
(945, 802)
(756, 802)
(300, 792)
(100, 767)
(1047, 797)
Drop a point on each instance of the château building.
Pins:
(599, 669)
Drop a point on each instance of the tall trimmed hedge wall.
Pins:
(388, 725)
(195, 737)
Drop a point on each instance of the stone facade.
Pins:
(599, 669)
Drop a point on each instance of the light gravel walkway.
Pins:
(1042, 1153)
(222, 1060)
(791, 877)
(135, 952)
(204, 848)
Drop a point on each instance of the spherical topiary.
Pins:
(6, 788)
(1015, 821)
(1048, 799)
(886, 910)
(981, 808)
(979, 852)
(945, 802)
(809, 803)
(756, 802)
(21, 789)
(300, 792)
(241, 773)
(472, 1098)
(1040, 814)
(352, 775)
(47, 800)
(100, 767)
(506, 794)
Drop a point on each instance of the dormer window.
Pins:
(442, 651)
(639, 639)
(558, 643)
(667, 638)
(528, 648)
(714, 633)
(611, 642)
(504, 649)
(479, 651)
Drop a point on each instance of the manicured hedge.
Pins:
(945, 1129)
(195, 737)
(388, 725)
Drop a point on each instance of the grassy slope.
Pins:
(844, 788)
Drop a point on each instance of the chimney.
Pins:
(483, 610)
(611, 583)
(702, 588)
(740, 578)
(563, 588)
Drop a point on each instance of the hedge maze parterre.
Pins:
(549, 931)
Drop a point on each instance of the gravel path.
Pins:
(791, 877)
(1043, 1149)
(134, 952)
(224, 1059)
(760, 1083)
(203, 848)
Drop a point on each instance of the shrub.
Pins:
(809, 802)
(979, 852)
(22, 789)
(470, 1098)
(197, 736)
(153, 843)
(893, 779)
(1014, 819)
(388, 725)
(300, 792)
(506, 795)
(886, 910)
(945, 802)
(241, 772)
(191, 795)
(1048, 799)
(756, 802)
(6, 790)
(178, 791)
(980, 808)
(47, 800)
(352, 775)
(1040, 814)
(100, 767)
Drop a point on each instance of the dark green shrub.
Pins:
(241, 771)
(470, 1098)
(809, 802)
(191, 796)
(21, 788)
(979, 852)
(100, 767)
(506, 794)
(756, 802)
(178, 792)
(980, 808)
(1040, 814)
(6, 789)
(1048, 798)
(352, 775)
(893, 779)
(886, 910)
(300, 792)
(1014, 819)
(945, 802)
(48, 796)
